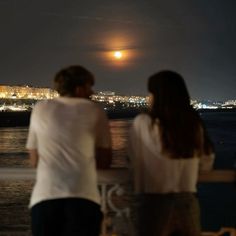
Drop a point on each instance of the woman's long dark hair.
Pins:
(181, 130)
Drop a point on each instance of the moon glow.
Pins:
(118, 55)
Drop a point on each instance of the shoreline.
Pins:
(22, 118)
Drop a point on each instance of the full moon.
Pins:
(118, 54)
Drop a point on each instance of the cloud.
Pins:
(95, 18)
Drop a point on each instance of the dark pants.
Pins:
(66, 217)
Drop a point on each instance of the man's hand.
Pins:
(33, 156)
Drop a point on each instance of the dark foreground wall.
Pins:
(14, 118)
(22, 118)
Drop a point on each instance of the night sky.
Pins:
(197, 38)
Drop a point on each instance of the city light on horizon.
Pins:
(24, 93)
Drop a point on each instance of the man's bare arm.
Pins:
(33, 156)
(103, 158)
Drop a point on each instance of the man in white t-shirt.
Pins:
(68, 138)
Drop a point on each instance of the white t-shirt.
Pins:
(155, 172)
(65, 132)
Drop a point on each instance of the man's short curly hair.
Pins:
(67, 79)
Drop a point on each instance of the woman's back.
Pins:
(155, 171)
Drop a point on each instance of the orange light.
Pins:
(118, 55)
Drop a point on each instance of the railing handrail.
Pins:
(225, 176)
(112, 176)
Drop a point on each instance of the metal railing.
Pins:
(114, 185)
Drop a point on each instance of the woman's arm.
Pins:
(207, 162)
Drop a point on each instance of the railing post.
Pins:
(104, 209)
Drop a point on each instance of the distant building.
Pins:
(26, 92)
(109, 97)
(106, 93)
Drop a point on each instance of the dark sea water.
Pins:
(14, 154)
(218, 201)
(221, 127)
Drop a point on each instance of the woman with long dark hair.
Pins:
(168, 146)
